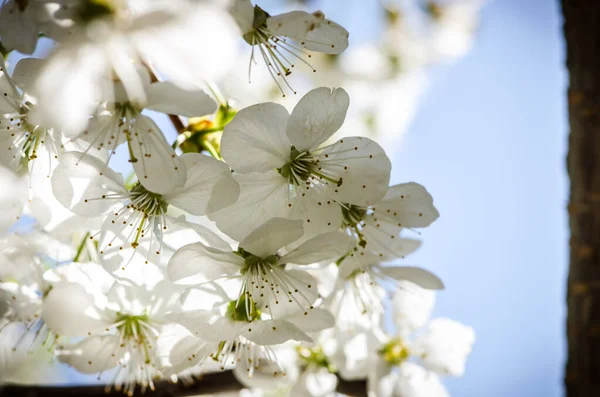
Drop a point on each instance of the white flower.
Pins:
(119, 329)
(445, 345)
(412, 307)
(108, 36)
(135, 219)
(121, 121)
(269, 35)
(261, 268)
(416, 381)
(285, 169)
(377, 227)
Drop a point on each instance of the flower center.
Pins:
(150, 205)
(395, 352)
(243, 309)
(303, 166)
(315, 357)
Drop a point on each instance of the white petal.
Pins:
(19, 28)
(409, 205)
(318, 115)
(167, 44)
(421, 277)
(363, 167)
(412, 307)
(295, 298)
(313, 31)
(85, 184)
(255, 140)
(243, 13)
(314, 320)
(324, 247)
(202, 262)
(315, 383)
(25, 72)
(271, 236)
(262, 196)
(273, 332)
(68, 87)
(190, 351)
(445, 346)
(158, 168)
(384, 242)
(209, 186)
(416, 381)
(69, 311)
(12, 200)
(169, 98)
(140, 264)
(94, 354)
(10, 98)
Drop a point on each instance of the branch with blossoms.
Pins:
(259, 249)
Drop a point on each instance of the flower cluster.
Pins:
(255, 240)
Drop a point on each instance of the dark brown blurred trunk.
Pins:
(582, 33)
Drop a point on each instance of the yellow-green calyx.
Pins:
(253, 262)
(353, 214)
(243, 309)
(96, 9)
(259, 25)
(315, 357)
(395, 352)
(131, 325)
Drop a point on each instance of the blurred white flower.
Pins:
(108, 40)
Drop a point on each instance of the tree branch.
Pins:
(213, 383)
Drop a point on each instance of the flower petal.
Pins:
(294, 297)
(169, 98)
(82, 184)
(271, 236)
(255, 140)
(209, 186)
(13, 199)
(273, 332)
(157, 166)
(409, 205)
(202, 263)
(94, 354)
(25, 72)
(314, 320)
(363, 168)
(412, 306)
(417, 275)
(190, 351)
(445, 346)
(129, 260)
(316, 117)
(313, 31)
(324, 247)
(262, 196)
(69, 311)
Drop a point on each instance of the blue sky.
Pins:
(490, 143)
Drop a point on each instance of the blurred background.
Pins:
(484, 128)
